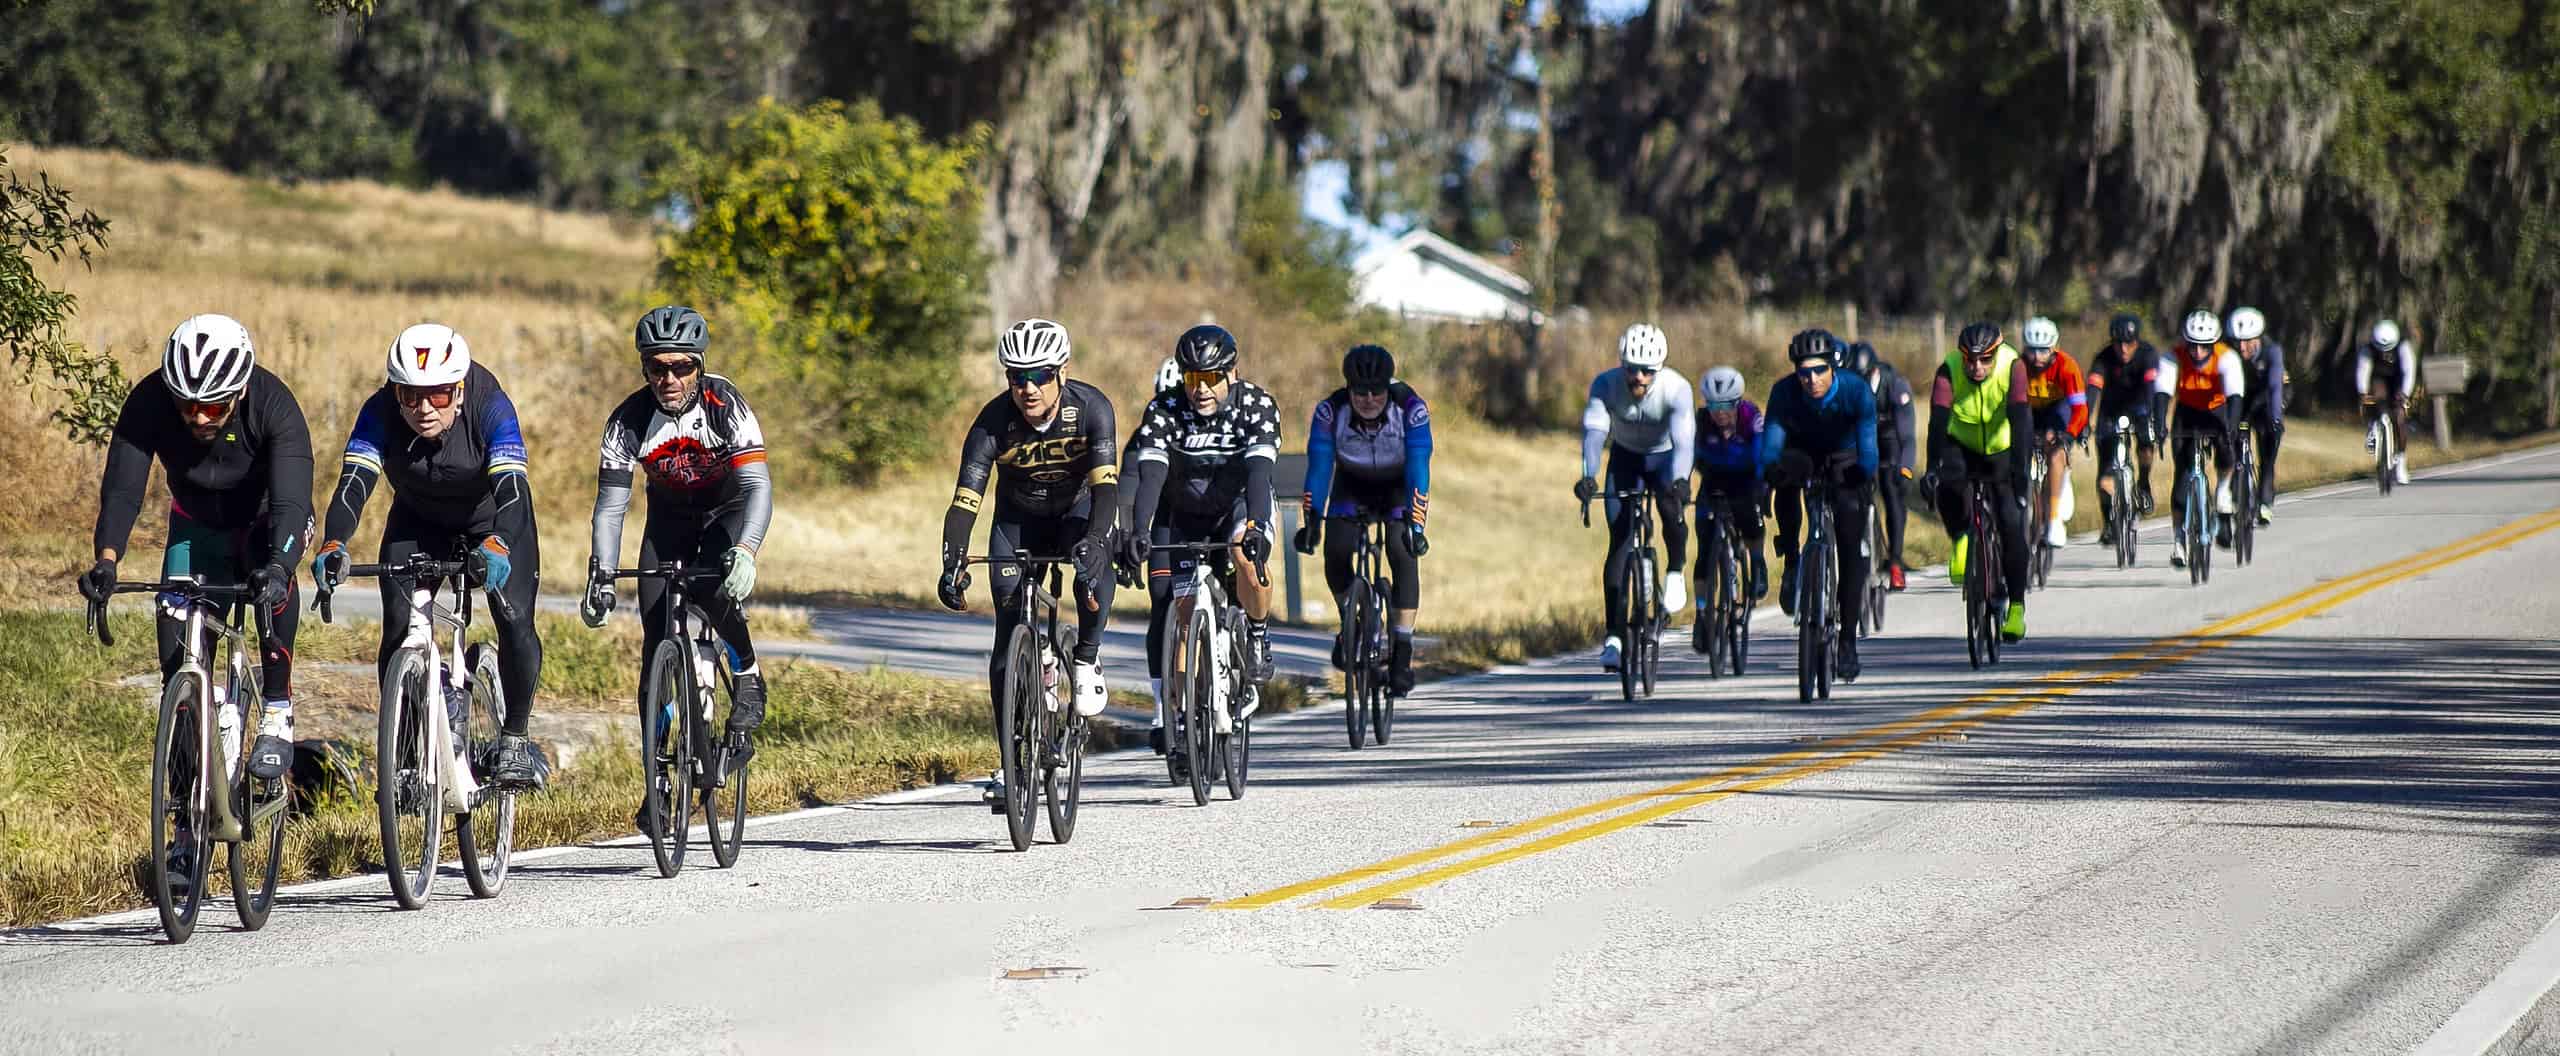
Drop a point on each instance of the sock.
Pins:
(1404, 634)
(279, 713)
(1156, 685)
(1258, 627)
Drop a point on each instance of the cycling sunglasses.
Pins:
(209, 410)
(1813, 370)
(1644, 372)
(1371, 391)
(438, 397)
(1724, 405)
(1198, 378)
(658, 370)
(1035, 376)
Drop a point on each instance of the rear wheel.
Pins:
(179, 827)
(724, 806)
(487, 835)
(1649, 638)
(1235, 747)
(666, 756)
(2244, 524)
(408, 790)
(1382, 699)
(260, 805)
(1023, 705)
(1719, 591)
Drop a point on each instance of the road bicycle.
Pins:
(201, 791)
(2039, 517)
(1817, 594)
(1723, 627)
(2244, 490)
(681, 691)
(2195, 514)
(2122, 513)
(1043, 736)
(1983, 594)
(436, 736)
(2384, 441)
(1879, 561)
(1368, 702)
(1640, 661)
(1207, 734)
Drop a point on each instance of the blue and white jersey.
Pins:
(1393, 448)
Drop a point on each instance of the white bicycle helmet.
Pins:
(428, 355)
(2203, 327)
(2041, 334)
(1643, 346)
(2247, 324)
(1032, 343)
(1168, 374)
(1723, 385)
(208, 360)
(2386, 335)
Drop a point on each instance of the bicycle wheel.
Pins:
(724, 805)
(260, 805)
(1063, 783)
(2244, 524)
(1738, 617)
(1201, 677)
(1382, 699)
(1631, 587)
(1649, 635)
(1813, 655)
(1023, 706)
(1708, 632)
(408, 792)
(1977, 595)
(2382, 452)
(1237, 741)
(1240, 754)
(179, 826)
(1357, 677)
(486, 835)
(666, 756)
(1878, 585)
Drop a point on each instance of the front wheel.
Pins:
(179, 828)
(487, 835)
(1813, 654)
(1639, 604)
(724, 805)
(1358, 625)
(408, 790)
(666, 756)
(1977, 598)
(1024, 705)
(1063, 782)
(1201, 677)
(260, 805)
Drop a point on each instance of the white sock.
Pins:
(278, 719)
(1156, 687)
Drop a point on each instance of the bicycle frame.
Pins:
(1203, 583)
(200, 598)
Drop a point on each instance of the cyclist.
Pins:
(2061, 409)
(443, 432)
(2206, 380)
(1048, 442)
(1823, 420)
(1978, 424)
(1373, 436)
(1212, 445)
(692, 435)
(2263, 405)
(1729, 467)
(237, 454)
(2386, 367)
(2121, 379)
(1641, 412)
(1897, 447)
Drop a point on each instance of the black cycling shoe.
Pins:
(270, 757)
(1400, 667)
(1845, 665)
(1258, 639)
(1155, 739)
(1787, 588)
(731, 757)
(1342, 651)
(519, 765)
(1759, 576)
(746, 704)
(993, 796)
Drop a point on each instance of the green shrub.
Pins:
(840, 247)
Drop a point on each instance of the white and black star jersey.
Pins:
(1205, 454)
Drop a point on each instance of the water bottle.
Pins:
(1049, 678)
(229, 723)
(457, 702)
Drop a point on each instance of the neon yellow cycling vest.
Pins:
(1979, 417)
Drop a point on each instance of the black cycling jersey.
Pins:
(2125, 381)
(706, 462)
(1214, 459)
(258, 465)
(473, 475)
(1041, 472)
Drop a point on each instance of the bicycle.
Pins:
(1206, 736)
(2039, 520)
(2195, 526)
(2384, 441)
(2121, 515)
(1639, 662)
(202, 795)
(1723, 630)
(1880, 565)
(1817, 593)
(1366, 699)
(1042, 736)
(2244, 489)
(1982, 600)
(686, 667)
(423, 748)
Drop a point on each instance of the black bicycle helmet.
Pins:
(1812, 344)
(1205, 347)
(1368, 367)
(1977, 338)
(1860, 358)
(2124, 328)
(672, 328)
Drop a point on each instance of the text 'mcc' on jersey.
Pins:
(1040, 471)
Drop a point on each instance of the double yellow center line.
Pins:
(1368, 885)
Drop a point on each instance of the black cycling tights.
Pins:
(1897, 509)
(1342, 537)
(519, 649)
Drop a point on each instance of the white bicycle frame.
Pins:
(198, 616)
(1186, 596)
(424, 618)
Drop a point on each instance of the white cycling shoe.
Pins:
(1092, 694)
(1674, 592)
(1609, 654)
(2054, 534)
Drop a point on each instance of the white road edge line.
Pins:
(2509, 1011)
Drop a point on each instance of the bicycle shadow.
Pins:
(101, 935)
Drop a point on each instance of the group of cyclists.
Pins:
(1196, 469)
(1844, 413)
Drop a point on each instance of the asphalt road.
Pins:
(2306, 808)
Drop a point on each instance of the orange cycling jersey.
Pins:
(2059, 389)
(2204, 384)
